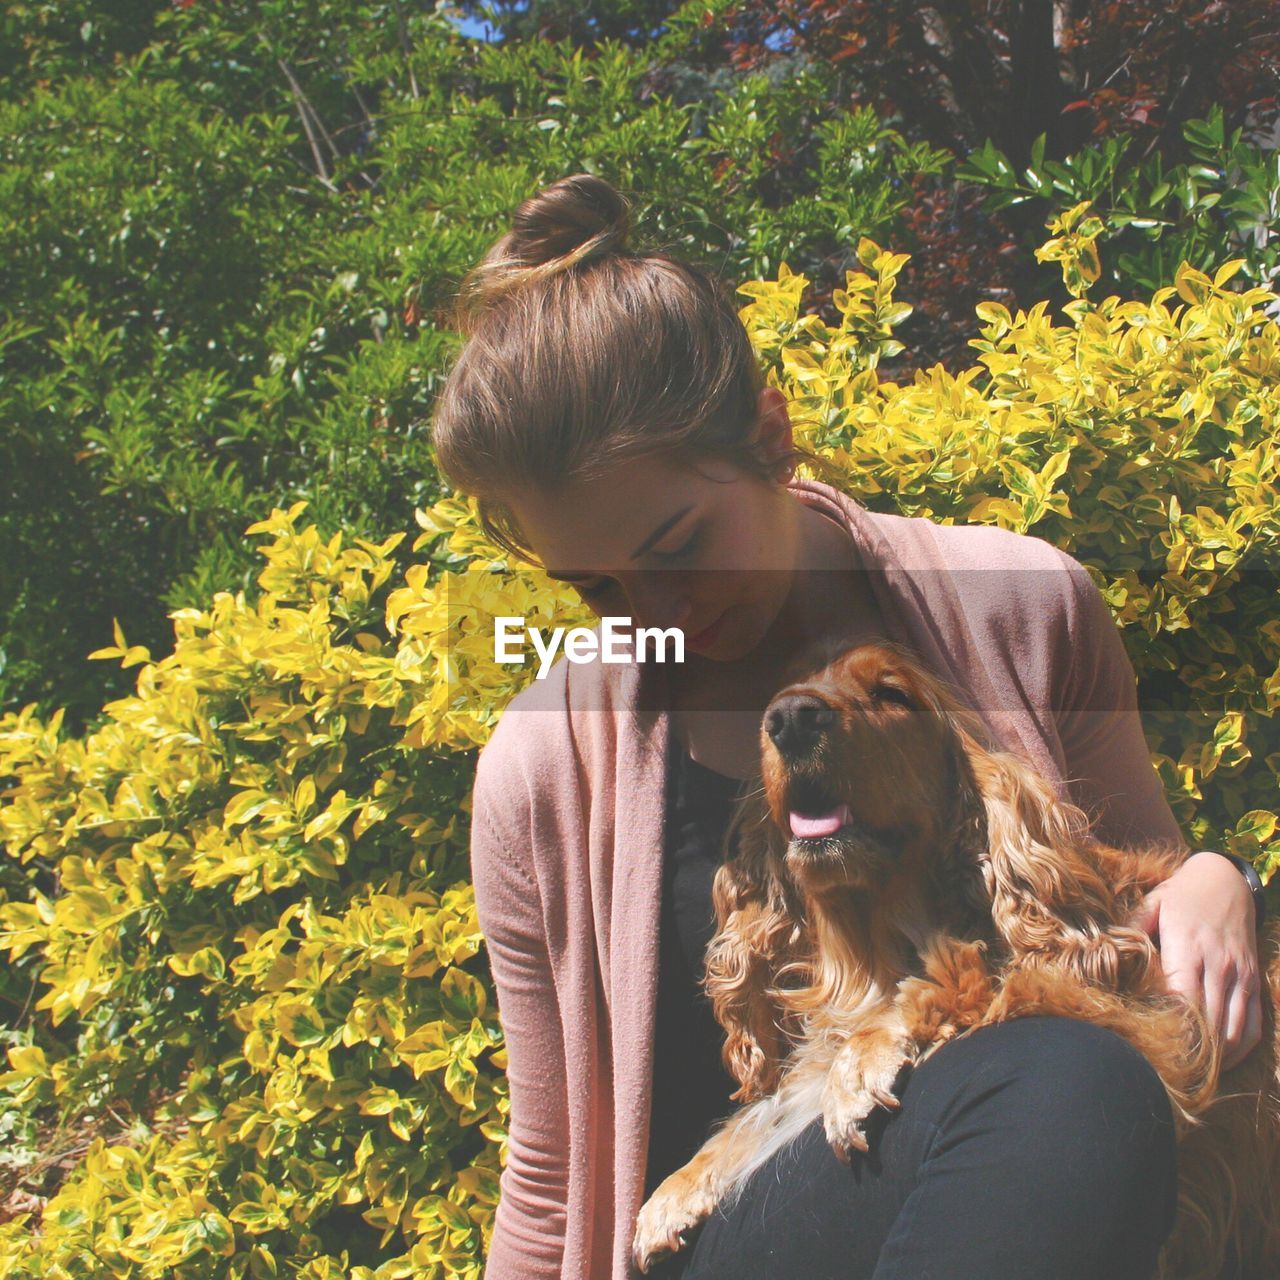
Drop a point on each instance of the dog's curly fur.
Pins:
(959, 890)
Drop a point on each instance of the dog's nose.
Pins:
(797, 722)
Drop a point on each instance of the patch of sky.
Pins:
(478, 28)
(473, 27)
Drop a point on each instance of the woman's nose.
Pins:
(657, 601)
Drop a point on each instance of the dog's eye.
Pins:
(892, 693)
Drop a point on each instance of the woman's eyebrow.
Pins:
(567, 576)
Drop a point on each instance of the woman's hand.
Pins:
(1202, 919)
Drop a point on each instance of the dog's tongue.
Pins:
(806, 825)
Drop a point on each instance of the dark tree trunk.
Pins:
(1036, 95)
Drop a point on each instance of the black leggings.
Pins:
(1040, 1149)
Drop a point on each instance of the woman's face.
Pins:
(696, 545)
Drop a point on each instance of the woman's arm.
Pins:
(1109, 769)
(529, 1227)
(1202, 916)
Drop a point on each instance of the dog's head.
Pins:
(866, 772)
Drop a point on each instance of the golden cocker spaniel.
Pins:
(893, 884)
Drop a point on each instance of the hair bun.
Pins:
(567, 216)
(568, 222)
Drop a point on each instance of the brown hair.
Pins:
(581, 352)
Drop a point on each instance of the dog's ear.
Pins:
(758, 947)
(1048, 896)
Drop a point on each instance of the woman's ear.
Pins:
(760, 932)
(774, 434)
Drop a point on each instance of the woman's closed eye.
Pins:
(691, 544)
(590, 590)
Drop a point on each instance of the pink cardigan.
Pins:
(567, 841)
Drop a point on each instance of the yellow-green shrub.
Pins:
(243, 898)
(1141, 437)
(262, 911)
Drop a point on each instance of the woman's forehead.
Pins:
(616, 518)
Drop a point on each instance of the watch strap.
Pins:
(1254, 880)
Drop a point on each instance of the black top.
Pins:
(691, 1086)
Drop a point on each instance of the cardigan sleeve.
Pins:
(529, 1224)
(1110, 773)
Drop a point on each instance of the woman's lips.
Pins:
(705, 637)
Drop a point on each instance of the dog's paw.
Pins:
(675, 1208)
(858, 1083)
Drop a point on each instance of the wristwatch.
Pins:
(1256, 887)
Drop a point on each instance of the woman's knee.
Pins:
(1071, 1072)
(1059, 1086)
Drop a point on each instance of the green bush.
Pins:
(1154, 218)
(242, 900)
(207, 316)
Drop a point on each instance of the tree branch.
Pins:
(407, 49)
(305, 115)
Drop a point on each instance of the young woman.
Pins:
(609, 414)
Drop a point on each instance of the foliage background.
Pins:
(246, 1012)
